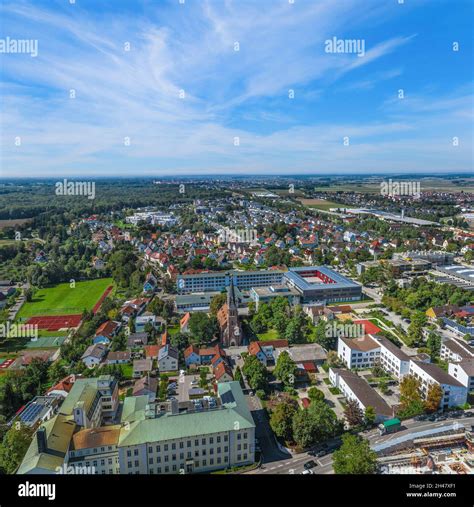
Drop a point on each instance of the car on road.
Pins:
(308, 471)
(171, 398)
(310, 464)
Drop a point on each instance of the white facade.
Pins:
(392, 359)
(463, 372)
(455, 394)
(353, 357)
(195, 454)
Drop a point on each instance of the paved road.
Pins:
(270, 450)
(294, 465)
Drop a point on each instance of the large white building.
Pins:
(455, 350)
(152, 438)
(455, 394)
(392, 359)
(90, 403)
(161, 439)
(463, 372)
(358, 352)
(356, 388)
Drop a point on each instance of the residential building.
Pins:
(361, 352)
(463, 372)
(455, 351)
(142, 367)
(168, 358)
(455, 393)
(356, 388)
(392, 359)
(94, 355)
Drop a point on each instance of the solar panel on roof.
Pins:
(31, 413)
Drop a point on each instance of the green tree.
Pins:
(315, 394)
(285, 369)
(217, 302)
(409, 391)
(13, 448)
(354, 456)
(202, 328)
(369, 416)
(281, 419)
(255, 372)
(433, 343)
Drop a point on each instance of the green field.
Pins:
(271, 334)
(65, 300)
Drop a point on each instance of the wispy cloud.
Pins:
(182, 93)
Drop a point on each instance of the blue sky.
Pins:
(135, 97)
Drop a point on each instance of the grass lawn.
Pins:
(334, 390)
(172, 330)
(271, 334)
(127, 370)
(62, 299)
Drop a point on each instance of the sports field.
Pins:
(65, 300)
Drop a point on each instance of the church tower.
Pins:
(228, 317)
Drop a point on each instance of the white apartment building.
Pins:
(392, 359)
(455, 394)
(455, 351)
(358, 352)
(356, 388)
(463, 372)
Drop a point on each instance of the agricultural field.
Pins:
(64, 300)
(372, 185)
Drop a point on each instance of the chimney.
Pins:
(41, 439)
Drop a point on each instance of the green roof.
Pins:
(392, 422)
(59, 430)
(134, 408)
(233, 414)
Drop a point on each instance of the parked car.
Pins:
(468, 414)
(307, 471)
(310, 464)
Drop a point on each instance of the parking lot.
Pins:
(185, 383)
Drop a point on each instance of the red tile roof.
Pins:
(369, 327)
